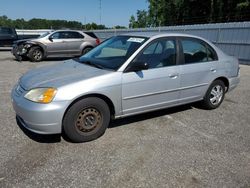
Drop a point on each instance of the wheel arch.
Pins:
(224, 80)
(40, 45)
(88, 46)
(101, 96)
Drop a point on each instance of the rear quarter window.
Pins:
(196, 51)
(6, 31)
(91, 34)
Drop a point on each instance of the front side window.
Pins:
(195, 51)
(160, 53)
(112, 53)
(56, 35)
(44, 35)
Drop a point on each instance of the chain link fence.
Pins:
(232, 38)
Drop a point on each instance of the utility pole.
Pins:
(85, 22)
(100, 7)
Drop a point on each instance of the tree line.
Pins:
(182, 12)
(37, 23)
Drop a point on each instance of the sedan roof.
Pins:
(159, 34)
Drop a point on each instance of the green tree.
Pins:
(242, 10)
(142, 20)
(132, 22)
(178, 12)
(119, 27)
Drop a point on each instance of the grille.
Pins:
(19, 90)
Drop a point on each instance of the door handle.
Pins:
(173, 76)
(213, 70)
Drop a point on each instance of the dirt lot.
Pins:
(178, 147)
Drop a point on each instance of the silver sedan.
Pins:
(123, 76)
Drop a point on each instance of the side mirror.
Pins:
(51, 38)
(137, 66)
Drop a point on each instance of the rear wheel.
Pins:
(215, 95)
(35, 54)
(86, 50)
(86, 120)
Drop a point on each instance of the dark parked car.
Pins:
(61, 43)
(7, 36)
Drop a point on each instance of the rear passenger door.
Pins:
(73, 40)
(198, 69)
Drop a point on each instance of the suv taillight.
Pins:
(97, 41)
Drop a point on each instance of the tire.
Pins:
(35, 54)
(215, 95)
(86, 120)
(86, 50)
(24, 58)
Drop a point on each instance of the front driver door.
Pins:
(56, 44)
(156, 87)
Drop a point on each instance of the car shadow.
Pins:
(58, 58)
(5, 49)
(47, 59)
(54, 138)
(150, 115)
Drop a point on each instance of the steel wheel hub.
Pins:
(216, 95)
(88, 120)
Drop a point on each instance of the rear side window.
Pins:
(195, 51)
(74, 35)
(91, 34)
(67, 35)
(6, 31)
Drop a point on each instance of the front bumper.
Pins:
(19, 50)
(233, 82)
(36, 117)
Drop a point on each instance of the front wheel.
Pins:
(35, 54)
(86, 120)
(215, 95)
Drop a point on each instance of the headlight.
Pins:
(41, 95)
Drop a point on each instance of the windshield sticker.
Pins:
(133, 39)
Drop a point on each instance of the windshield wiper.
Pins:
(93, 64)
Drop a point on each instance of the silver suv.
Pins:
(61, 43)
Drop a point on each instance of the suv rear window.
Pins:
(6, 31)
(91, 34)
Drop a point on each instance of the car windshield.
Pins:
(44, 35)
(112, 53)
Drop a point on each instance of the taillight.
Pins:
(97, 41)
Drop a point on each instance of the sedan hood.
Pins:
(60, 74)
(22, 41)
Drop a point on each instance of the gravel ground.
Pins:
(178, 147)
